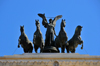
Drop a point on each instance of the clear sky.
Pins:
(14, 13)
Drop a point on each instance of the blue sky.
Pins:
(14, 13)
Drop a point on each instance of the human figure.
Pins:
(49, 40)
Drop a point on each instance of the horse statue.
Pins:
(25, 42)
(38, 39)
(61, 39)
(75, 40)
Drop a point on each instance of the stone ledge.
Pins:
(49, 59)
(52, 55)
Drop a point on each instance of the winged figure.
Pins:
(49, 40)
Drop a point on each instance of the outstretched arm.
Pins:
(44, 21)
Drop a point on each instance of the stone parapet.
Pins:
(50, 59)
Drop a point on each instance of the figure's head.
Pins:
(50, 20)
(63, 23)
(22, 28)
(78, 30)
(37, 23)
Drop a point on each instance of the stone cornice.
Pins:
(50, 63)
(49, 59)
(72, 56)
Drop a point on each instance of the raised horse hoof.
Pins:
(81, 47)
(18, 46)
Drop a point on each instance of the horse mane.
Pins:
(78, 30)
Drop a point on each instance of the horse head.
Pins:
(22, 28)
(37, 23)
(78, 30)
(63, 23)
(23, 39)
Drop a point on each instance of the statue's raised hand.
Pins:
(41, 15)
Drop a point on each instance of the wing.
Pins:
(55, 19)
(44, 21)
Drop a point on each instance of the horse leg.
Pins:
(58, 49)
(30, 47)
(35, 50)
(73, 51)
(25, 50)
(35, 47)
(67, 49)
(62, 48)
(41, 47)
(31, 50)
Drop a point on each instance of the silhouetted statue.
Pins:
(50, 28)
(61, 39)
(38, 39)
(75, 40)
(25, 42)
(49, 40)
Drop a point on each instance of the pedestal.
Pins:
(50, 49)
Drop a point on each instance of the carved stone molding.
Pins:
(52, 59)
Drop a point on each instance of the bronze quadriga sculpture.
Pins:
(50, 45)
